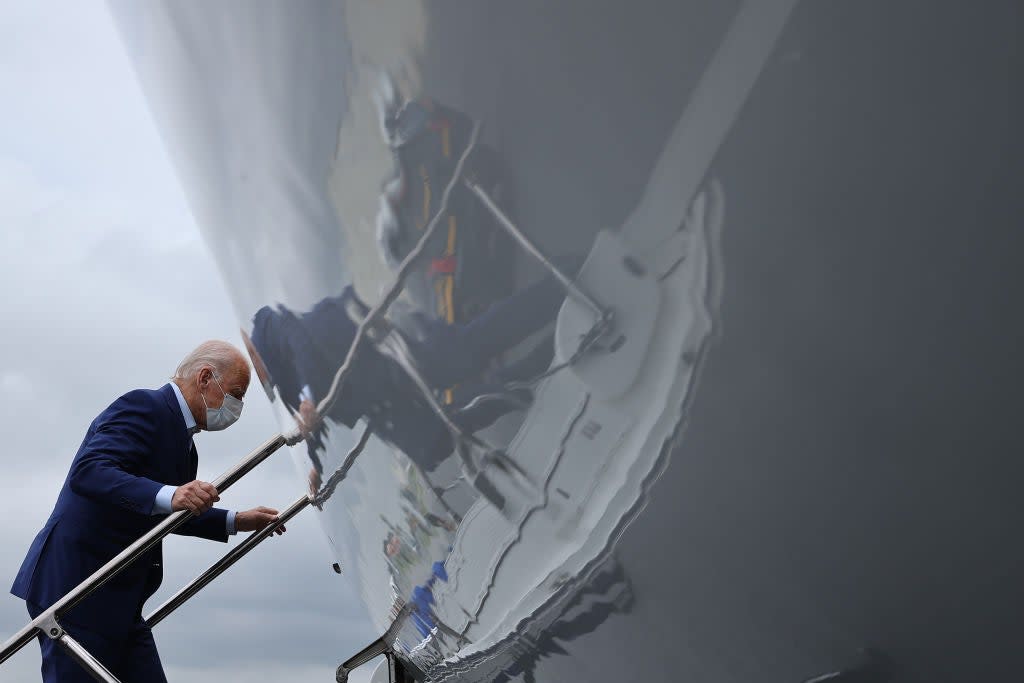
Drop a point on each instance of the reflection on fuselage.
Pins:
(870, 248)
(477, 319)
(302, 353)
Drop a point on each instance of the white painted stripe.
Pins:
(712, 110)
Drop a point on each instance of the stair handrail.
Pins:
(46, 621)
(189, 590)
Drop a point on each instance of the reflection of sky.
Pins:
(249, 104)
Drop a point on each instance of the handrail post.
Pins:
(375, 649)
(86, 660)
(55, 632)
(134, 551)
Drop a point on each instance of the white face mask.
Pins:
(225, 416)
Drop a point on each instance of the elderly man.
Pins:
(136, 464)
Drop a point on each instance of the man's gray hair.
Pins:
(219, 355)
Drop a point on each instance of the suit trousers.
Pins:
(131, 656)
(451, 354)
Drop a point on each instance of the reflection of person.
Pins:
(423, 616)
(300, 353)
(136, 464)
(417, 520)
(466, 267)
(400, 552)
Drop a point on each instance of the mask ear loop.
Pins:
(201, 394)
(222, 392)
(241, 403)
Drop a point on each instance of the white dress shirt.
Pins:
(162, 503)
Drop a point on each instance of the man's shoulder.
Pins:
(141, 402)
(339, 309)
(153, 397)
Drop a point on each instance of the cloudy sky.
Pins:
(107, 284)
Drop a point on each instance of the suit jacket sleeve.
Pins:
(303, 356)
(109, 465)
(211, 525)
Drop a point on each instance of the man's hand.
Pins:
(256, 519)
(308, 417)
(314, 482)
(196, 496)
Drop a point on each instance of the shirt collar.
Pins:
(190, 421)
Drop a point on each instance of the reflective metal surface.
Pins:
(532, 249)
(795, 439)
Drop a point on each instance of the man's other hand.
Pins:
(256, 519)
(308, 417)
(314, 482)
(196, 496)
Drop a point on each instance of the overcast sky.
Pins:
(107, 284)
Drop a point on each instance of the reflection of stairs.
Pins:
(590, 457)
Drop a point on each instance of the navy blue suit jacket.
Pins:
(135, 447)
(307, 349)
